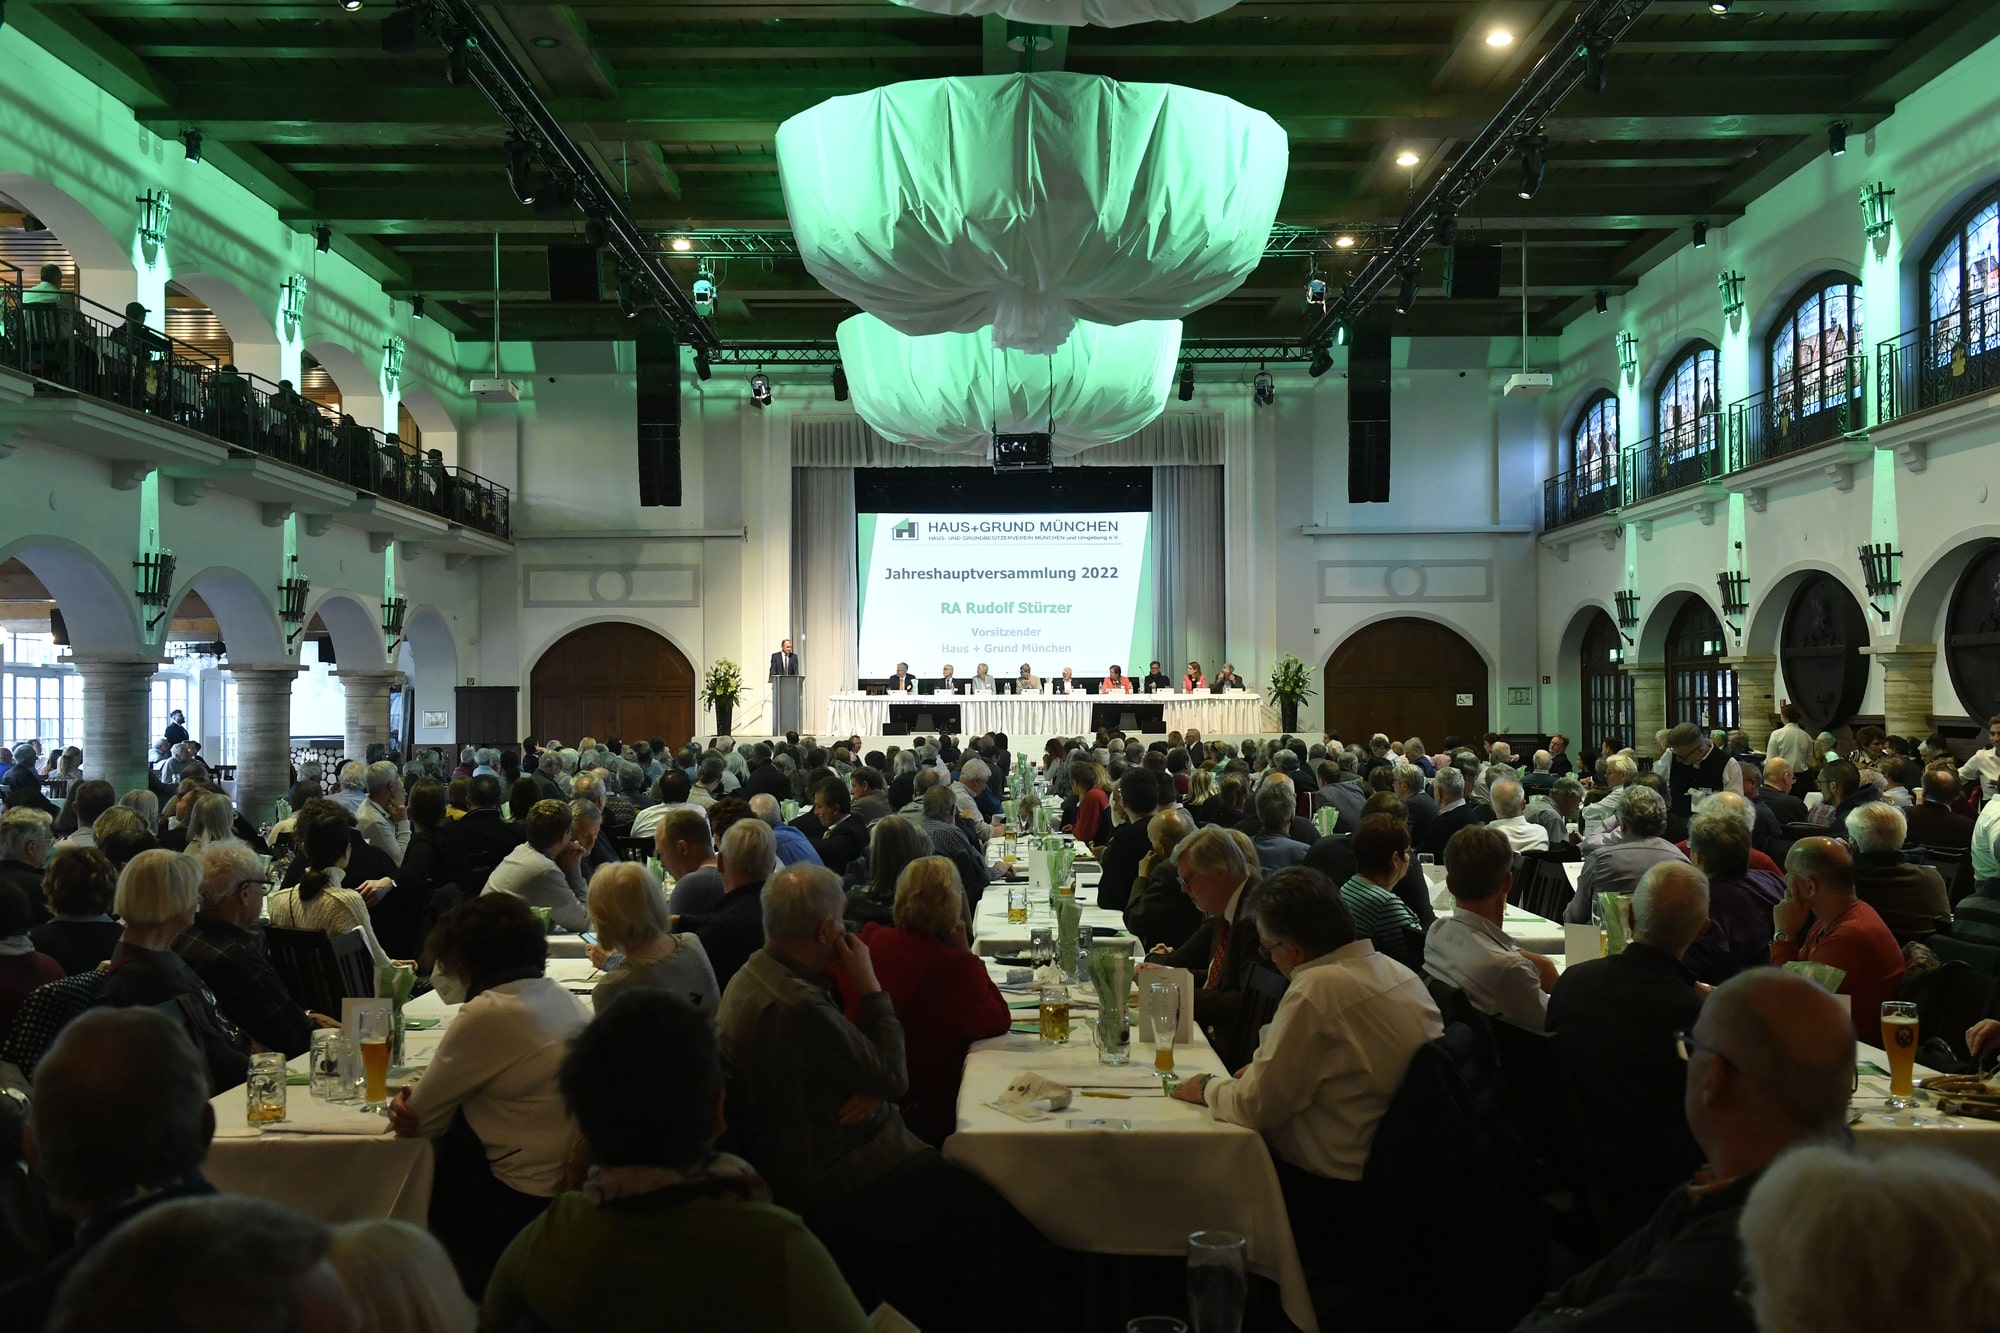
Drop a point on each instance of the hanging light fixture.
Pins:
(521, 168)
(1701, 234)
(760, 388)
(156, 582)
(1321, 363)
(839, 383)
(155, 208)
(1263, 389)
(191, 144)
(1534, 162)
(393, 609)
(1406, 293)
(1186, 390)
(1878, 216)
(417, 306)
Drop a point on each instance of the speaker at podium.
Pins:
(786, 693)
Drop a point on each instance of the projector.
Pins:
(496, 391)
(1526, 385)
(1023, 453)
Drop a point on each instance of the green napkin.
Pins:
(1823, 975)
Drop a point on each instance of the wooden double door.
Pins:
(1406, 677)
(614, 679)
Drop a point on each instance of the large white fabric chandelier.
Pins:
(1028, 202)
(952, 391)
(1080, 13)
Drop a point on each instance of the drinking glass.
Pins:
(1155, 1323)
(264, 1090)
(371, 1032)
(332, 1066)
(1042, 946)
(1218, 1281)
(1899, 1039)
(1017, 904)
(1054, 1012)
(1163, 1020)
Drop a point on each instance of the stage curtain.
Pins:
(824, 593)
(1187, 567)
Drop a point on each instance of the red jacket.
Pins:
(945, 1002)
(1092, 808)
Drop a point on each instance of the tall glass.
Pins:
(1163, 1021)
(1218, 1280)
(371, 1030)
(1899, 1039)
(264, 1089)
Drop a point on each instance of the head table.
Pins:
(854, 713)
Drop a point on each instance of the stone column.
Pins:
(1906, 687)
(1756, 695)
(367, 708)
(1649, 705)
(263, 738)
(116, 707)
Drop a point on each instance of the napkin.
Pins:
(1036, 1090)
(1824, 975)
(1324, 819)
(1069, 918)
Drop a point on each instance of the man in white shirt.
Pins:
(1510, 806)
(1986, 846)
(383, 822)
(1603, 814)
(1340, 1042)
(1791, 742)
(1985, 766)
(543, 870)
(1468, 948)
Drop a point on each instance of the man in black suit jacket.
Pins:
(785, 662)
(1214, 874)
(1613, 1022)
(1139, 796)
(766, 777)
(1932, 821)
(1454, 811)
(1423, 810)
(482, 837)
(903, 682)
(844, 838)
(1774, 790)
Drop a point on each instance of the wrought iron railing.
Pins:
(1953, 357)
(79, 345)
(1798, 413)
(1673, 460)
(1584, 491)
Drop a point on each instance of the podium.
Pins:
(785, 696)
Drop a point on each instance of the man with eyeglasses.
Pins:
(226, 952)
(1770, 1064)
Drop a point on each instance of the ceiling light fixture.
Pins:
(1343, 242)
(1719, 6)
(1603, 301)
(350, 5)
(1701, 234)
(322, 238)
(1407, 158)
(191, 142)
(1406, 294)
(417, 306)
(1263, 389)
(1534, 162)
(1321, 363)
(1499, 37)
(546, 43)
(760, 389)
(682, 244)
(1186, 391)
(521, 168)
(1836, 138)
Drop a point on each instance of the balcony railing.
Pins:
(1955, 357)
(1799, 413)
(1686, 456)
(80, 345)
(1585, 491)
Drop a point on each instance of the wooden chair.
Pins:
(634, 849)
(321, 970)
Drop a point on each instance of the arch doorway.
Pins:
(1406, 677)
(1607, 690)
(614, 679)
(1700, 689)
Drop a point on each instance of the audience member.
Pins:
(893, 844)
(1276, 848)
(683, 840)
(1846, 933)
(1470, 950)
(1218, 872)
(636, 945)
(1138, 798)
(382, 818)
(22, 967)
(225, 951)
(544, 870)
(1932, 822)
(1740, 898)
(400, 1279)
(1510, 804)
(733, 930)
(1617, 867)
(158, 895)
(25, 839)
(1158, 912)
(79, 887)
(1454, 811)
(1790, 742)
(87, 800)
(1910, 898)
(1774, 792)
(1382, 857)
(844, 836)
(320, 901)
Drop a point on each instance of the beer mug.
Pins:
(264, 1090)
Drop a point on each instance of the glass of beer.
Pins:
(1163, 1021)
(1055, 1015)
(264, 1090)
(1009, 852)
(1899, 1038)
(1017, 904)
(371, 1030)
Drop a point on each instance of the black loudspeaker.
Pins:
(659, 416)
(1472, 272)
(573, 274)
(1368, 415)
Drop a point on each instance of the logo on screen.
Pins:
(906, 531)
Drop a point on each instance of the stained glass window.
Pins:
(1689, 405)
(1810, 348)
(1964, 274)
(1593, 444)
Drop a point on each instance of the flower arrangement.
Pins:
(723, 685)
(1291, 680)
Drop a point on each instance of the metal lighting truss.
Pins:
(778, 242)
(1553, 78)
(1203, 351)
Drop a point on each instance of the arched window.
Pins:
(1700, 689)
(1964, 287)
(1607, 690)
(1688, 404)
(1593, 443)
(1810, 351)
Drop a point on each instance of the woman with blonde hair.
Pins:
(892, 845)
(158, 894)
(940, 988)
(1201, 790)
(628, 910)
(400, 1279)
(210, 820)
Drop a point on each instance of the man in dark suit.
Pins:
(1139, 796)
(845, 835)
(870, 802)
(1423, 810)
(482, 837)
(1299, 830)
(785, 662)
(1613, 1021)
(1932, 821)
(766, 777)
(1221, 953)
(903, 682)
(1454, 811)
(1774, 791)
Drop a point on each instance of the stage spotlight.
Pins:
(191, 141)
(322, 238)
(704, 294)
(1701, 234)
(1447, 228)
(457, 63)
(702, 369)
(1603, 301)
(1836, 138)
(521, 168)
(760, 390)
(1186, 390)
(1534, 161)
(682, 244)
(1594, 71)
(628, 295)
(1321, 363)
(840, 384)
(1263, 389)
(1406, 294)
(1340, 335)
(1500, 37)
(1407, 158)
(1343, 242)
(417, 307)
(1316, 291)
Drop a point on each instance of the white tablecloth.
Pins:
(857, 714)
(1537, 934)
(340, 1177)
(993, 934)
(1114, 1190)
(1881, 1130)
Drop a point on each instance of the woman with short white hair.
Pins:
(1835, 1242)
(158, 894)
(628, 910)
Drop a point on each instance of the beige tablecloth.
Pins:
(1881, 1130)
(858, 714)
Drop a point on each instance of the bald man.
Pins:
(1844, 932)
(1770, 1064)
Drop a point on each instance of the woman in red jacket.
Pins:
(1092, 823)
(943, 996)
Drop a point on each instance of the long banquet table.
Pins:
(854, 713)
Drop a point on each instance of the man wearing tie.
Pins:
(902, 682)
(785, 662)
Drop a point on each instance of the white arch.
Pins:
(1930, 588)
(355, 629)
(439, 430)
(252, 335)
(97, 612)
(105, 271)
(244, 616)
(360, 395)
(1667, 603)
(1767, 615)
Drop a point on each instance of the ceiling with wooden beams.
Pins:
(677, 102)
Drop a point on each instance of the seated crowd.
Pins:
(752, 1104)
